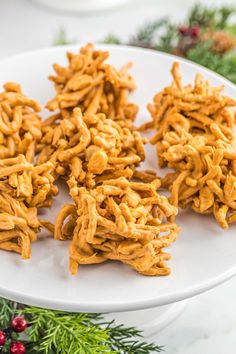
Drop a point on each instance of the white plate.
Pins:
(203, 256)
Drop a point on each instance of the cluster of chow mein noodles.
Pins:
(20, 125)
(93, 146)
(194, 137)
(93, 85)
(24, 187)
(119, 220)
(91, 143)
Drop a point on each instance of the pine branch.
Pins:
(224, 65)
(168, 39)
(223, 16)
(123, 340)
(201, 16)
(206, 17)
(6, 312)
(66, 333)
(59, 332)
(146, 35)
(63, 333)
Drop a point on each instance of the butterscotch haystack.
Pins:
(92, 146)
(93, 85)
(23, 189)
(20, 125)
(198, 109)
(112, 217)
(119, 220)
(206, 178)
(194, 137)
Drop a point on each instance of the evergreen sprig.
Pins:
(123, 340)
(59, 332)
(6, 312)
(66, 333)
(166, 36)
(224, 65)
(208, 17)
(145, 36)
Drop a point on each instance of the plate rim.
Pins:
(119, 307)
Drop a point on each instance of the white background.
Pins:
(208, 325)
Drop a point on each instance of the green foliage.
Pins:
(163, 35)
(66, 333)
(146, 35)
(123, 340)
(76, 333)
(224, 65)
(59, 332)
(231, 29)
(201, 16)
(6, 312)
(168, 39)
(216, 18)
(223, 15)
(61, 38)
(111, 39)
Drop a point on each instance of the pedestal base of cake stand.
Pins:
(149, 321)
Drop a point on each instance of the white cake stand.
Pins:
(81, 6)
(203, 257)
(149, 321)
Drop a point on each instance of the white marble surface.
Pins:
(208, 324)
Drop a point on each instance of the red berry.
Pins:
(195, 31)
(17, 348)
(18, 324)
(2, 338)
(184, 30)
